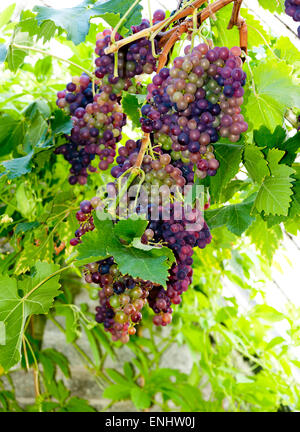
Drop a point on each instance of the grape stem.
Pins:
(169, 38)
(235, 14)
(46, 53)
(182, 13)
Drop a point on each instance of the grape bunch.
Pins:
(95, 108)
(123, 297)
(195, 103)
(181, 241)
(292, 8)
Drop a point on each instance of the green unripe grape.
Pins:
(199, 82)
(130, 66)
(114, 301)
(161, 174)
(120, 85)
(121, 317)
(212, 84)
(193, 78)
(175, 155)
(94, 294)
(212, 98)
(187, 65)
(177, 96)
(185, 160)
(136, 292)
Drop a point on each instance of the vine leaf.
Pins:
(67, 18)
(275, 193)
(274, 91)
(272, 6)
(17, 167)
(131, 106)
(265, 239)
(104, 241)
(37, 295)
(236, 217)
(111, 11)
(229, 156)
(128, 229)
(268, 140)
(255, 163)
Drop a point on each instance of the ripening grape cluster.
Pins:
(159, 171)
(194, 103)
(95, 108)
(122, 297)
(292, 8)
(190, 106)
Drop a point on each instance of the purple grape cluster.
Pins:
(292, 9)
(122, 297)
(97, 113)
(181, 241)
(195, 103)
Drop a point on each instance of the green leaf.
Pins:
(117, 377)
(94, 244)
(117, 392)
(61, 123)
(35, 133)
(76, 404)
(274, 91)
(265, 239)
(104, 241)
(140, 398)
(58, 359)
(276, 6)
(286, 50)
(12, 132)
(38, 106)
(140, 264)
(6, 15)
(16, 56)
(232, 188)
(17, 167)
(67, 19)
(131, 107)
(264, 138)
(128, 229)
(274, 342)
(111, 11)
(229, 156)
(72, 326)
(274, 195)
(267, 313)
(255, 163)
(43, 68)
(38, 292)
(236, 217)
